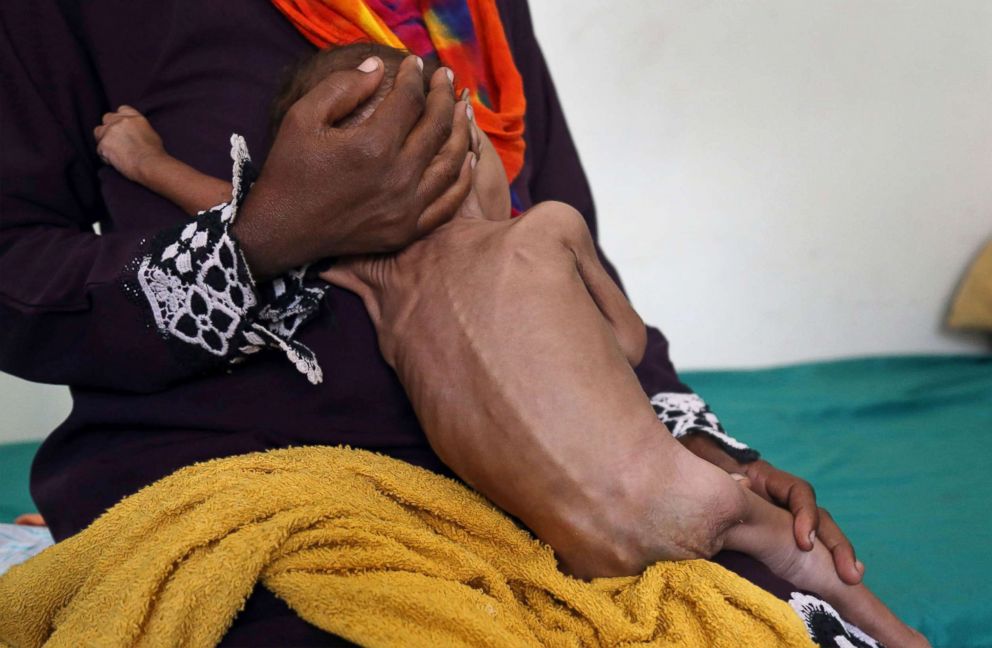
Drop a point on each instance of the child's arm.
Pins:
(627, 325)
(128, 142)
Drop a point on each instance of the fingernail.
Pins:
(812, 537)
(465, 95)
(469, 112)
(737, 476)
(476, 138)
(451, 75)
(370, 64)
(473, 160)
(420, 63)
(860, 566)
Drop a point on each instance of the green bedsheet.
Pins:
(15, 464)
(898, 449)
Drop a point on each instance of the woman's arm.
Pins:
(612, 303)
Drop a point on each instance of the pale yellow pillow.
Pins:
(972, 307)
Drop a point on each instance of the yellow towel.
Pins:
(364, 546)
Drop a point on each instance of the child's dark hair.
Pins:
(311, 70)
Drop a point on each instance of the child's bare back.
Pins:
(532, 386)
(516, 349)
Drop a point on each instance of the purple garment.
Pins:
(199, 72)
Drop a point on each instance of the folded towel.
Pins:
(366, 547)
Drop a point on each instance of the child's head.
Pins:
(308, 72)
(489, 178)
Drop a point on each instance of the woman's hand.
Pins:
(372, 188)
(792, 493)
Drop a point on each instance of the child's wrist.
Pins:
(149, 167)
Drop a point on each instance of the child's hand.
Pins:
(128, 142)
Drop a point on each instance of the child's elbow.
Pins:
(633, 338)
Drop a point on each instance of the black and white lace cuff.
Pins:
(826, 627)
(686, 414)
(203, 298)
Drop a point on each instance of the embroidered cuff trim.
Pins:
(202, 294)
(826, 627)
(686, 414)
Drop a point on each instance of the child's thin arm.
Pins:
(127, 142)
(182, 184)
(612, 303)
(626, 323)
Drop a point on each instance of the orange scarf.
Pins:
(466, 35)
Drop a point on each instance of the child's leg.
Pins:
(766, 534)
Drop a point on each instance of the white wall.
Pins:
(777, 181)
(30, 411)
(781, 181)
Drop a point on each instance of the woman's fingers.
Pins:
(434, 129)
(849, 568)
(793, 493)
(442, 209)
(340, 93)
(801, 500)
(448, 167)
(402, 106)
(810, 521)
(475, 143)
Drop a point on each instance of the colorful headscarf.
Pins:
(465, 35)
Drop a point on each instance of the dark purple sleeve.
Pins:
(557, 174)
(66, 314)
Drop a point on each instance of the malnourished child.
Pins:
(529, 393)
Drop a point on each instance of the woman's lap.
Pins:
(267, 621)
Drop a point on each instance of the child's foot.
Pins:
(30, 519)
(767, 535)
